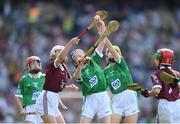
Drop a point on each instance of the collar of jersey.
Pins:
(162, 67)
(39, 75)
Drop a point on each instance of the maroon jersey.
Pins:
(171, 93)
(56, 78)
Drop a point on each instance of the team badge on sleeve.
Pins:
(155, 79)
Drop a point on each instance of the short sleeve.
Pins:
(156, 81)
(54, 64)
(97, 56)
(119, 61)
(78, 80)
(19, 89)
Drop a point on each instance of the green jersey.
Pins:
(29, 88)
(92, 77)
(118, 76)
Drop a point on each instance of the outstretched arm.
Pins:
(114, 53)
(77, 74)
(66, 50)
(154, 91)
(100, 25)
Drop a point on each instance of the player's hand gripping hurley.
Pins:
(102, 14)
(111, 27)
(137, 88)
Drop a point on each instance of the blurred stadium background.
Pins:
(32, 27)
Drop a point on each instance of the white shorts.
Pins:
(48, 103)
(35, 118)
(97, 103)
(125, 103)
(168, 111)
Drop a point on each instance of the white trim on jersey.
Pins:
(20, 96)
(100, 54)
(157, 86)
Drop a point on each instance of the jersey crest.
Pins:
(116, 84)
(93, 81)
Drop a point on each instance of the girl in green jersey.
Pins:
(91, 78)
(124, 102)
(29, 89)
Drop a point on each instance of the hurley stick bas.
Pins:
(111, 27)
(102, 14)
(168, 78)
(135, 87)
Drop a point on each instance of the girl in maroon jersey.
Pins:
(55, 81)
(166, 92)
